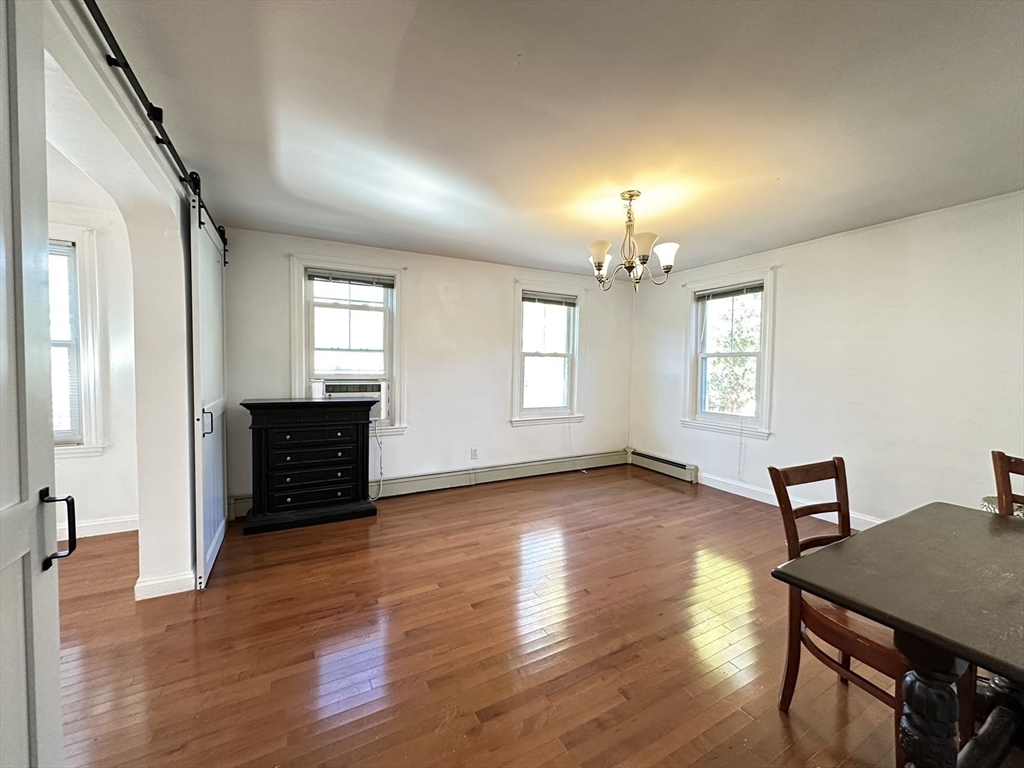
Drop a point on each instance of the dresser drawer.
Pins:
(314, 497)
(315, 416)
(286, 457)
(325, 476)
(340, 433)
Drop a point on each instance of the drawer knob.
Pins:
(339, 434)
(288, 499)
(339, 474)
(339, 493)
(287, 437)
(289, 458)
(287, 479)
(339, 453)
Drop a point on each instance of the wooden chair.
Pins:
(1005, 466)
(852, 635)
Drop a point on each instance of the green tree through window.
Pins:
(730, 355)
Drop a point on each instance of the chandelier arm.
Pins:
(651, 275)
(606, 284)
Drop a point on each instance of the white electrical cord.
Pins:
(380, 452)
(572, 451)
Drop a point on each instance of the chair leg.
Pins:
(901, 758)
(792, 652)
(965, 690)
(844, 662)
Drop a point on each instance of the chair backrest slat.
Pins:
(815, 509)
(1004, 467)
(820, 541)
(811, 473)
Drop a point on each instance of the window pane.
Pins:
(330, 328)
(60, 298)
(545, 328)
(368, 294)
(545, 382)
(367, 329)
(733, 324)
(60, 383)
(322, 289)
(729, 385)
(328, 361)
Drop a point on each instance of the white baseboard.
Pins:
(165, 585)
(858, 521)
(238, 506)
(100, 527)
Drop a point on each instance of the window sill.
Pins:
(527, 421)
(726, 429)
(77, 451)
(393, 429)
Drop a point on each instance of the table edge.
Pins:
(896, 624)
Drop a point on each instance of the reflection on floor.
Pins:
(614, 617)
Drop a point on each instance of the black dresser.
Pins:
(310, 462)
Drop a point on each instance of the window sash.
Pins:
(386, 309)
(351, 308)
(569, 381)
(74, 434)
(702, 384)
(569, 356)
(702, 298)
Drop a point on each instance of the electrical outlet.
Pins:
(474, 453)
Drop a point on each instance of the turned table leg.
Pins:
(930, 706)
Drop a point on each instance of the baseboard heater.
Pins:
(400, 486)
(687, 472)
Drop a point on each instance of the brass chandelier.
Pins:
(635, 252)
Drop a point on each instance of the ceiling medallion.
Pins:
(635, 251)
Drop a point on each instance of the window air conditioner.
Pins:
(377, 389)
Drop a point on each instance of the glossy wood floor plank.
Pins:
(616, 617)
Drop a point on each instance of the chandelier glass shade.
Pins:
(635, 253)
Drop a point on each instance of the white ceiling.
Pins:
(504, 131)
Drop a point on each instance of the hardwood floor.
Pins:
(616, 617)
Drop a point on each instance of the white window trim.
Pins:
(539, 416)
(89, 350)
(299, 262)
(756, 427)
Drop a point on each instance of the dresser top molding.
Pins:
(298, 402)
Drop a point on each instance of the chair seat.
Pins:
(865, 640)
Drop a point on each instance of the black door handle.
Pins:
(44, 496)
(205, 414)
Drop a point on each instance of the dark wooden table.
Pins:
(949, 582)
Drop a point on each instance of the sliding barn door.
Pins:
(30, 731)
(209, 393)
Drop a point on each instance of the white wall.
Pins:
(899, 347)
(92, 120)
(106, 487)
(457, 319)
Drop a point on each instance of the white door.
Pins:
(209, 393)
(30, 718)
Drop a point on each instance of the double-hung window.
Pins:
(350, 330)
(547, 361)
(731, 360)
(65, 344)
